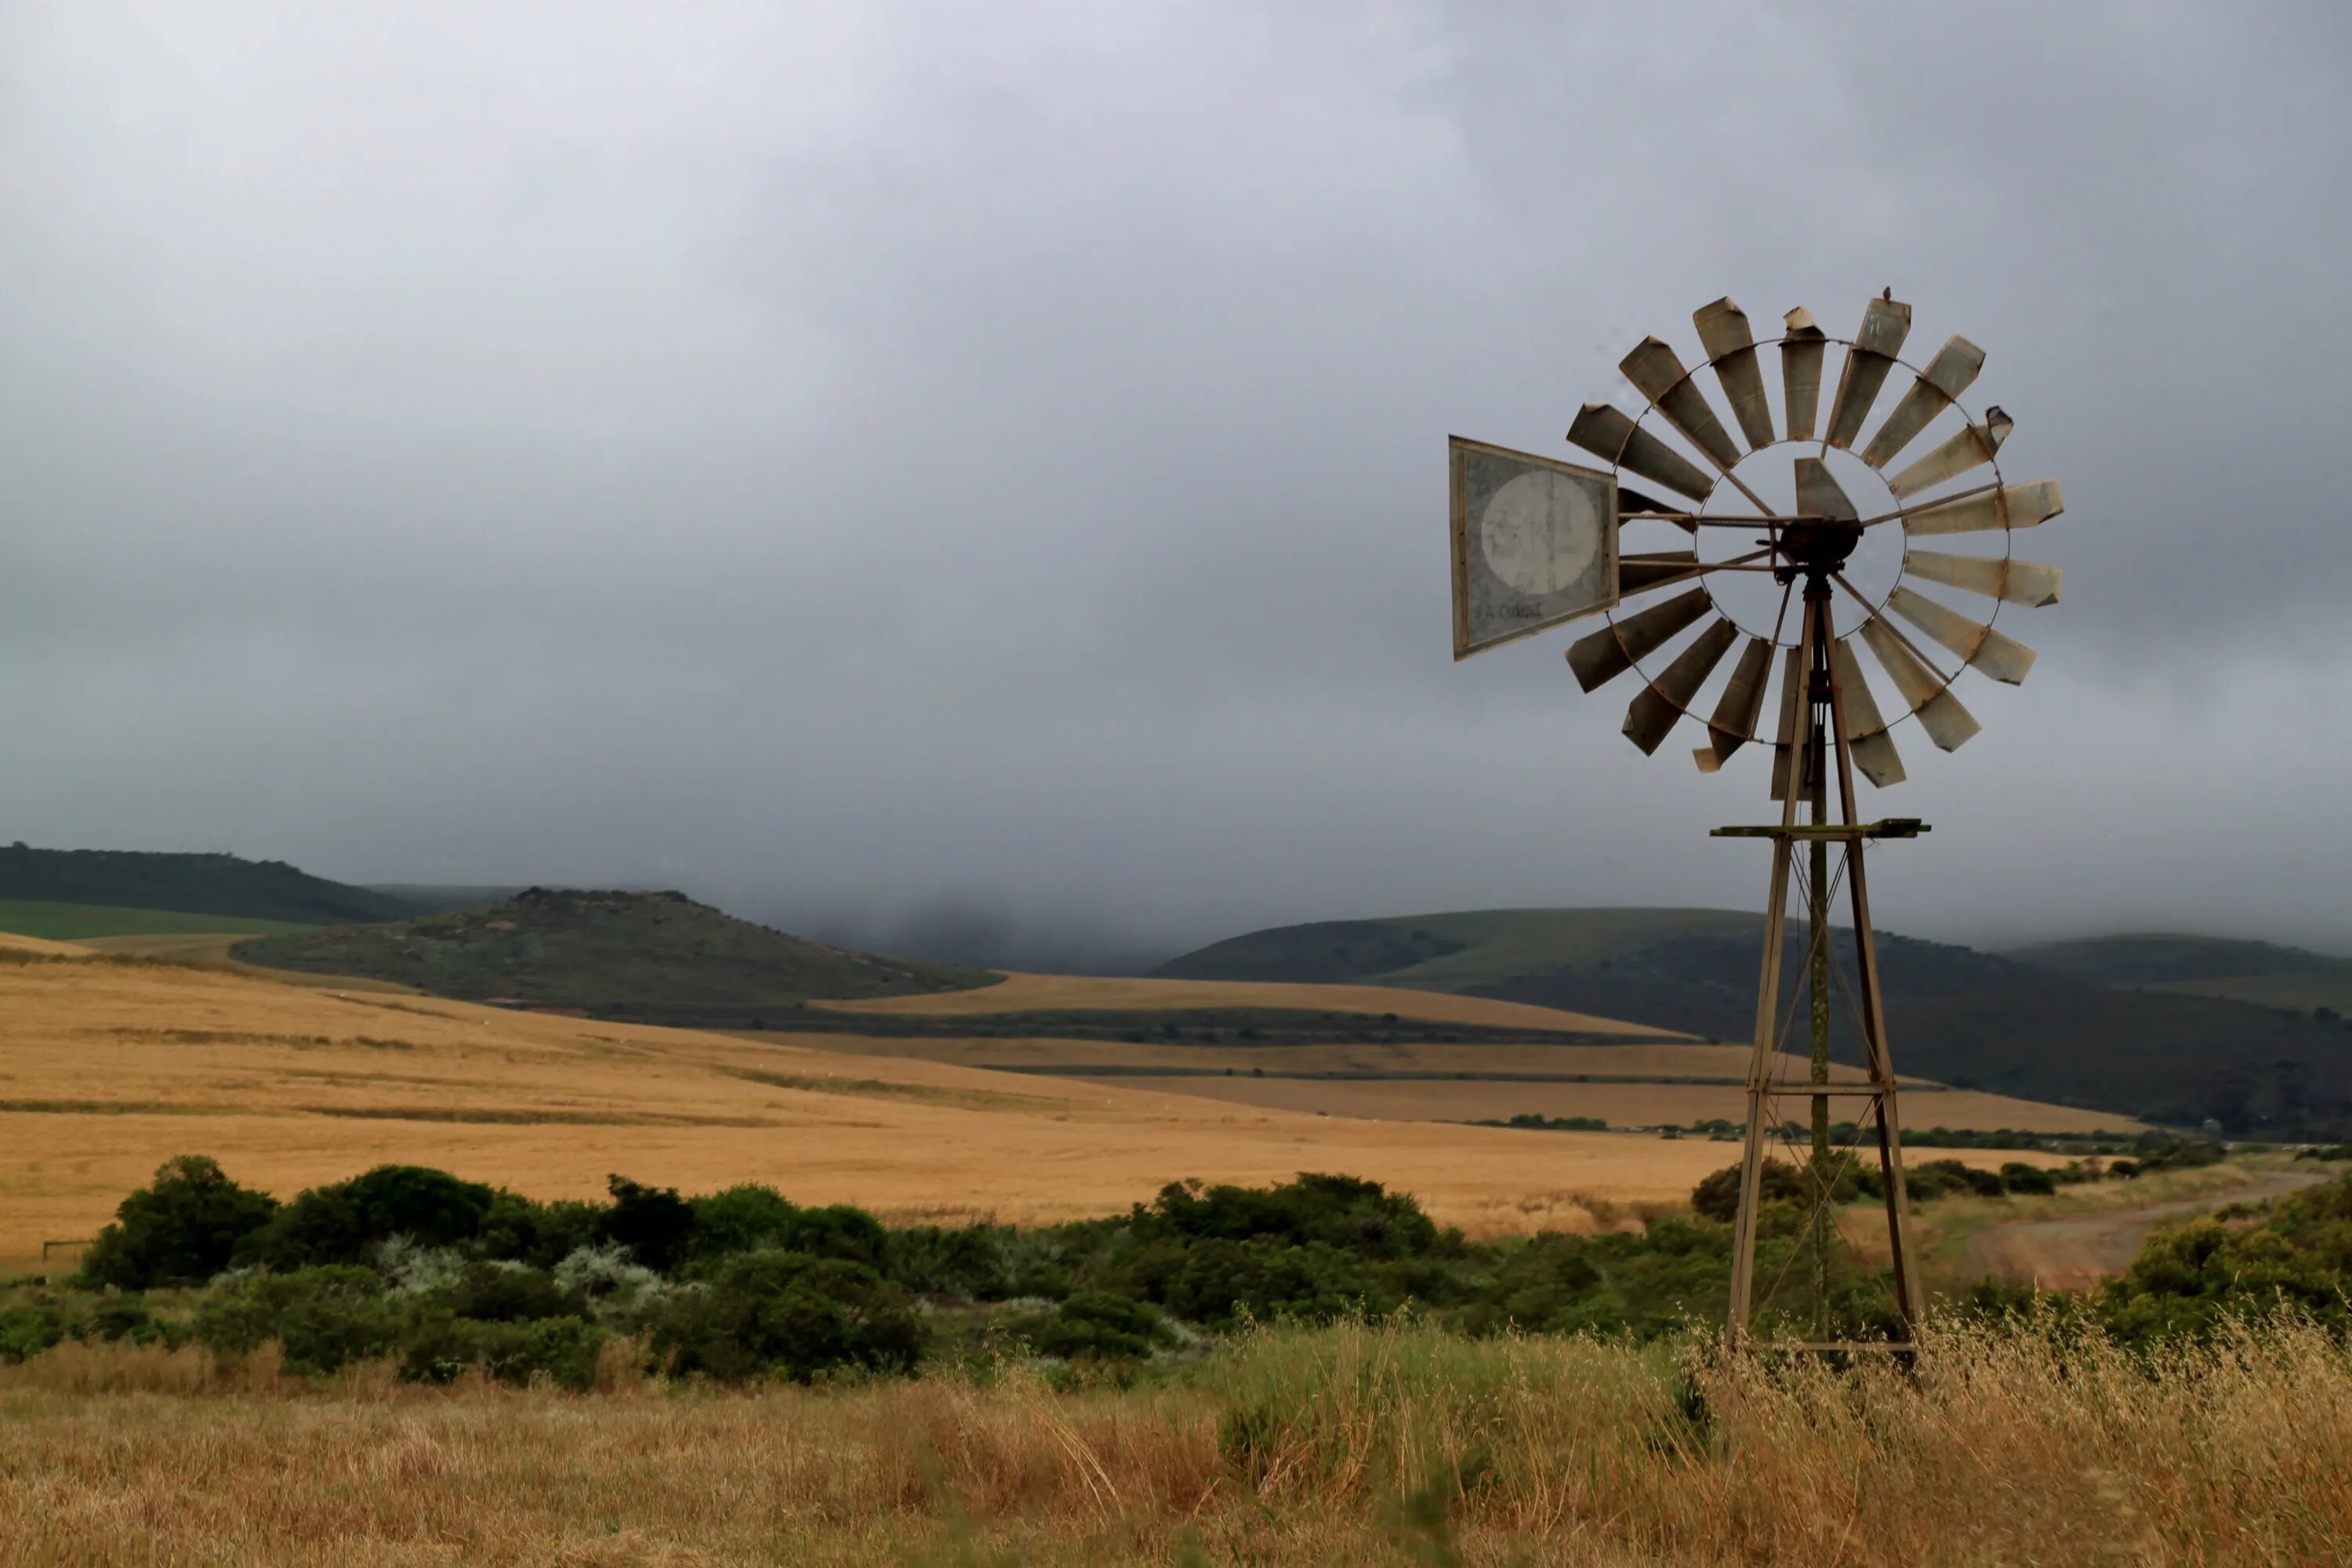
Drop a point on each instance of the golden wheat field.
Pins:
(107, 1069)
(1387, 1445)
(1019, 993)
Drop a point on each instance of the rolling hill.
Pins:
(1967, 1018)
(222, 886)
(649, 957)
(2266, 974)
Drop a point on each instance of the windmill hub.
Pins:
(1814, 546)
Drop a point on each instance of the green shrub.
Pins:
(1716, 1197)
(343, 1223)
(785, 1314)
(1341, 1212)
(120, 1318)
(510, 1293)
(181, 1230)
(1096, 1325)
(654, 1223)
(2016, 1176)
(1934, 1179)
(517, 1229)
(1648, 1284)
(26, 1331)
(561, 1351)
(739, 1219)
(323, 1316)
(1217, 1281)
(976, 1262)
(2186, 1280)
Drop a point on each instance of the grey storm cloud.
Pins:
(979, 470)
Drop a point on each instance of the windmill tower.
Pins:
(1768, 552)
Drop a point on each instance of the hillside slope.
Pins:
(1964, 1017)
(221, 885)
(2167, 959)
(651, 957)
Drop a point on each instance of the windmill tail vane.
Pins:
(1538, 542)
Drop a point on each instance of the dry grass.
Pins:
(1350, 1446)
(1050, 993)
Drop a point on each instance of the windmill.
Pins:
(1769, 553)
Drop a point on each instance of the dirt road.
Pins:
(2073, 1254)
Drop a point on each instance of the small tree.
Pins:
(654, 1223)
(181, 1230)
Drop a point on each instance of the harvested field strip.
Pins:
(1020, 993)
(1377, 1075)
(1263, 1027)
(1678, 1102)
(936, 1093)
(248, 1037)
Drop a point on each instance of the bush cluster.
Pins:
(439, 1275)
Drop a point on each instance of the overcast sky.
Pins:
(875, 464)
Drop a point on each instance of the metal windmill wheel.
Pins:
(1538, 542)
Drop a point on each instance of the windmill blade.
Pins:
(1737, 711)
(1602, 657)
(2004, 658)
(1884, 324)
(1629, 500)
(1655, 569)
(1792, 708)
(1949, 375)
(1948, 721)
(1800, 372)
(1666, 699)
(1607, 431)
(2019, 582)
(1724, 332)
(1866, 732)
(2018, 506)
(1970, 447)
(1658, 371)
(1820, 495)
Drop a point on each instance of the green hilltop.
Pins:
(1968, 1018)
(650, 958)
(239, 890)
